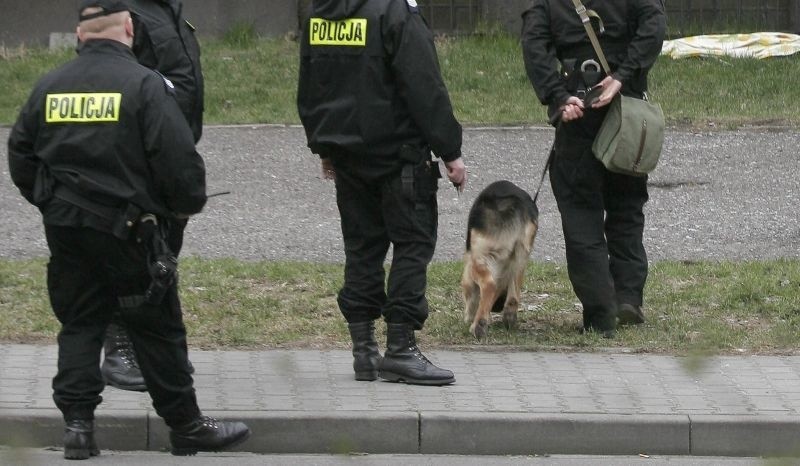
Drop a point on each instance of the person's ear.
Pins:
(79, 33)
(129, 27)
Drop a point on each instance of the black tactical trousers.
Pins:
(87, 272)
(603, 221)
(374, 214)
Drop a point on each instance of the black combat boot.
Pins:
(79, 441)
(366, 357)
(207, 434)
(630, 314)
(119, 368)
(404, 362)
(600, 320)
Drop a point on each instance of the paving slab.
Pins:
(503, 402)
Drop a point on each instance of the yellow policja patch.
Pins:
(82, 108)
(350, 32)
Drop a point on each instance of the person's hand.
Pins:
(328, 172)
(611, 88)
(457, 173)
(572, 109)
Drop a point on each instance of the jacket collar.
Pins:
(106, 46)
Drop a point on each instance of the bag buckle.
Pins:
(590, 62)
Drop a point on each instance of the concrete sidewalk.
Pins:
(306, 401)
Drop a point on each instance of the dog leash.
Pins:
(544, 172)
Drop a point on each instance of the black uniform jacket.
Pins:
(552, 30)
(370, 82)
(106, 128)
(165, 42)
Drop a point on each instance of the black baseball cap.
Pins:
(108, 7)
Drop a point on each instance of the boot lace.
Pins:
(209, 422)
(126, 353)
(412, 347)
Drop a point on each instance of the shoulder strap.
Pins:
(587, 24)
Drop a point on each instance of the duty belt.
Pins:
(121, 219)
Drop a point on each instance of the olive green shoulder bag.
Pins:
(630, 139)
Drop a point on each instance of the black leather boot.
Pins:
(630, 314)
(404, 362)
(207, 434)
(79, 441)
(600, 320)
(119, 368)
(366, 357)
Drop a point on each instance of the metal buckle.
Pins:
(588, 63)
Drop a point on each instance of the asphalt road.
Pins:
(718, 195)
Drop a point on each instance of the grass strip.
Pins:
(691, 308)
(252, 80)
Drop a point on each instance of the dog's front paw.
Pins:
(480, 329)
(510, 319)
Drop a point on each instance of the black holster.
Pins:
(162, 263)
(419, 176)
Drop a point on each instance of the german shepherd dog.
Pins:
(501, 228)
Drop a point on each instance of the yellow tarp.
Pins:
(756, 45)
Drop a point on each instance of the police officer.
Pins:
(601, 212)
(164, 41)
(102, 149)
(374, 106)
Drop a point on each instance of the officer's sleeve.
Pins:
(647, 40)
(23, 163)
(538, 53)
(177, 169)
(415, 64)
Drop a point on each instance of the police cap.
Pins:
(108, 7)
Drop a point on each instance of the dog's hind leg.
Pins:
(512, 300)
(488, 287)
(522, 254)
